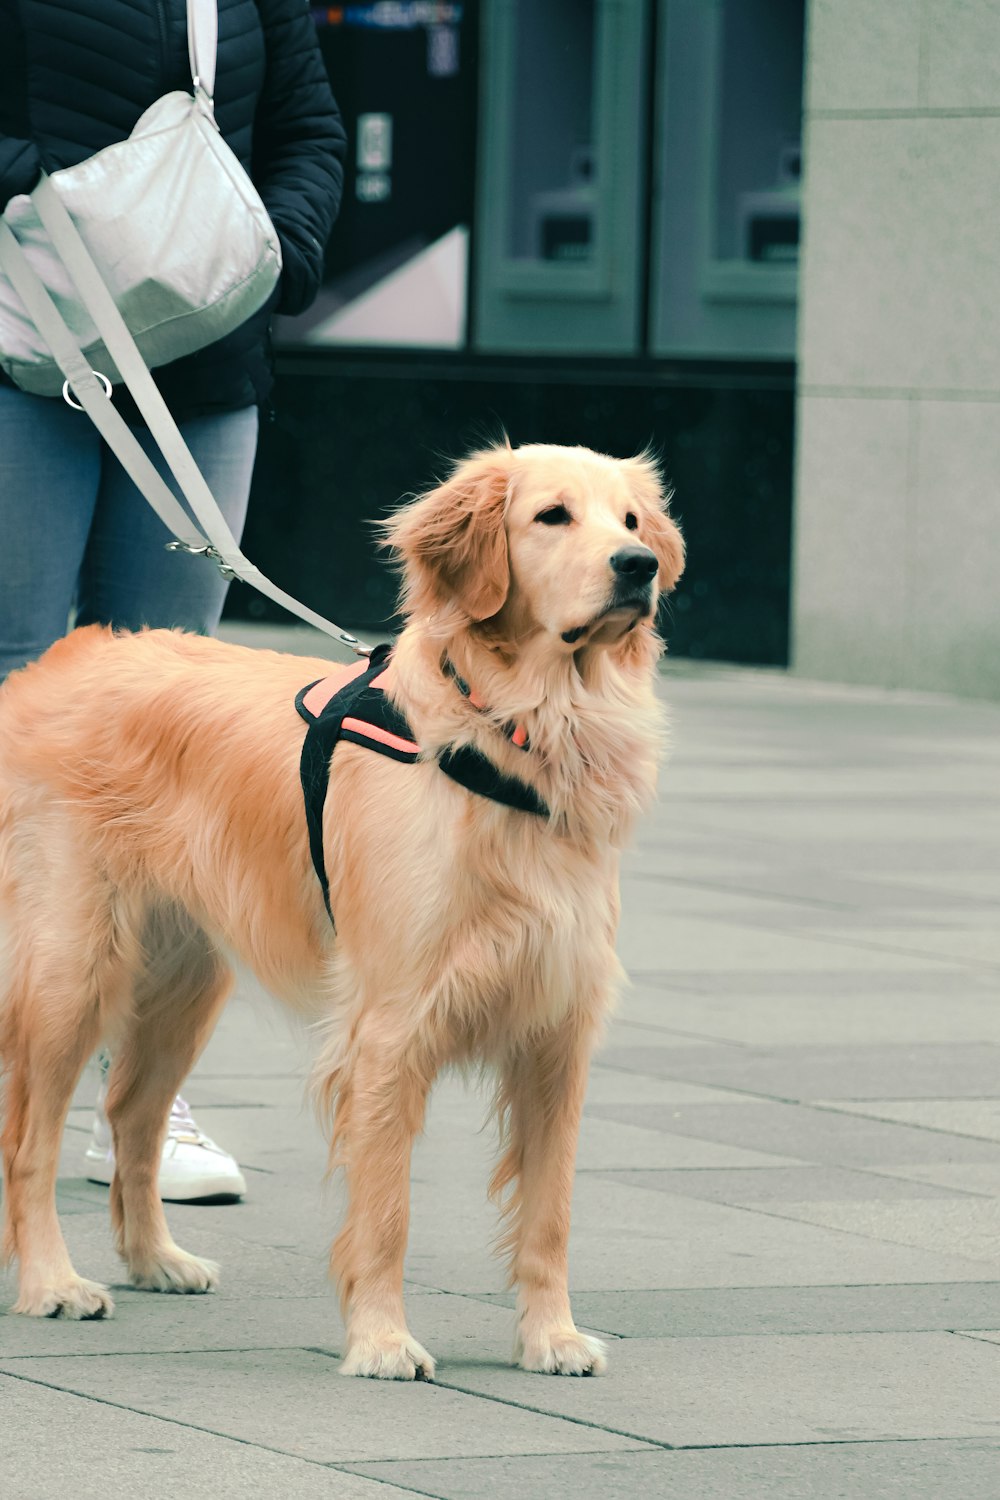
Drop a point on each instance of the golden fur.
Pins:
(151, 823)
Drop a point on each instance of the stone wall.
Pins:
(897, 519)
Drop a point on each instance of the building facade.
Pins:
(581, 220)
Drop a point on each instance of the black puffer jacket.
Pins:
(75, 75)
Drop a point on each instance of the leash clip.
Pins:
(229, 573)
(212, 553)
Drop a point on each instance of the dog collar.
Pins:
(516, 733)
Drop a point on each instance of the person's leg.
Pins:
(50, 467)
(130, 580)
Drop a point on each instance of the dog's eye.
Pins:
(632, 521)
(556, 515)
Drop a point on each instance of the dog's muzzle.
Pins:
(634, 569)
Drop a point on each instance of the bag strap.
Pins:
(211, 536)
(203, 44)
(92, 395)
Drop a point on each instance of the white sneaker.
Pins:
(192, 1166)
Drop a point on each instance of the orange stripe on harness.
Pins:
(383, 736)
(319, 695)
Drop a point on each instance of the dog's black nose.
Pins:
(636, 564)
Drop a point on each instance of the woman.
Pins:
(77, 536)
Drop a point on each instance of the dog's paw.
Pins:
(560, 1351)
(73, 1298)
(174, 1271)
(392, 1356)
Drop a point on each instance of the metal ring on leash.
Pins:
(71, 400)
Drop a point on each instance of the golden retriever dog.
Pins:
(152, 830)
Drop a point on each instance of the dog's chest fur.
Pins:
(500, 923)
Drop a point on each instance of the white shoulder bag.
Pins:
(70, 283)
(184, 243)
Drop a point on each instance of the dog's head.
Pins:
(541, 539)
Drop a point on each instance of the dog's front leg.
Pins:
(541, 1094)
(380, 1109)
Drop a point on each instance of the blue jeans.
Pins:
(75, 530)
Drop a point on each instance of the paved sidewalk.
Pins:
(787, 1217)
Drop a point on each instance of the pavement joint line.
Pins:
(358, 1470)
(156, 1416)
(703, 1291)
(698, 1036)
(823, 1106)
(991, 1440)
(667, 979)
(903, 800)
(797, 1164)
(766, 1333)
(829, 1108)
(668, 1031)
(774, 897)
(649, 1444)
(854, 1234)
(984, 965)
(949, 960)
(339, 1468)
(353, 1464)
(652, 1443)
(156, 1353)
(541, 1411)
(359, 1467)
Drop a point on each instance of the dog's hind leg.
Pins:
(68, 976)
(179, 989)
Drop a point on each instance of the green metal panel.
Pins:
(707, 299)
(547, 301)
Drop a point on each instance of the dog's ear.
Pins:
(656, 528)
(453, 540)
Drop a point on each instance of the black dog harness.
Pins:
(351, 705)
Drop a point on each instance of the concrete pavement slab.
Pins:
(629, 1238)
(842, 1471)
(147, 1323)
(952, 1226)
(55, 1444)
(909, 1070)
(980, 1180)
(689, 943)
(832, 1136)
(919, 1308)
(773, 1389)
(956, 1116)
(608, 1085)
(752, 1186)
(785, 1008)
(293, 1401)
(969, 945)
(605, 1144)
(815, 918)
